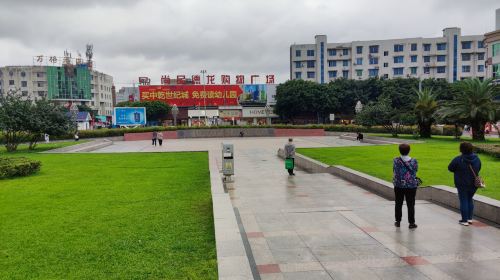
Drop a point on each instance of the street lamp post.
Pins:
(268, 111)
(203, 72)
(175, 111)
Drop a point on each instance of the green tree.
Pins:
(49, 118)
(155, 110)
(425, 108)
(473, 105)
(15, 114)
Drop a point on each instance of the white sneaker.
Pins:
(469, 221)
(464, 223)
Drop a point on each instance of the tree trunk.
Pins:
(477, 130)
(425, 129)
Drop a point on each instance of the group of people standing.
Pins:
(157, 137)
(465, 168)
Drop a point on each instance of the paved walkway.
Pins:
(318, 226)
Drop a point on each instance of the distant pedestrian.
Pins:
(155, 136)
(405, 184)
(360, 137)
(290, 156)
(466, 168)
(77, 137)
(159, 136)
(47, 138)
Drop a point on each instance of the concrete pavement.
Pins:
(318, 226)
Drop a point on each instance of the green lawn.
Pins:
(109, 216)
(433, 157)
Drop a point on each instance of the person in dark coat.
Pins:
(464, 180)
(405, 185)
(155, 136)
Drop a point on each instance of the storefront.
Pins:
(203, 117)
(230, 115)
(257, 116)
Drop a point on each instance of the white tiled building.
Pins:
(451, 57)
(492, 40)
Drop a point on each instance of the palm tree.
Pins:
(425, 107)
(474, 105)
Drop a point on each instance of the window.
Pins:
(310, 52)
(398, 71)
(413, 58)
(427, 47)
(345, 62)
(466, 57)
(345, 74)
(359, 49)
(11, 73)
(441, 69)
(332, 52)
(398, 59)
(480, 44)
(427, 59)
(372, 72)
(332, 63)
(373, 49)
(441, 58)
(345, 51)
(11, 82)
(413, 70)
(466, 68)
(480, 68)
(427, 70)
(332, 74)
(310, 64)
(495, 49)
(414, 47)
(480, 56)
(41, 93)
(298, 53)
(298, 64)
(466, 45)
(24, 93)
(398, 48)
(386, 53)
(24, 83)
(359, 61)
(441, 46)
(359, 72)
(386, 64)
(23, 74)
(373, 60)
(39, 75)
(311, 75)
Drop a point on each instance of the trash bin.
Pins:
(227, 159)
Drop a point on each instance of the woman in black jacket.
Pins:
(462, 167)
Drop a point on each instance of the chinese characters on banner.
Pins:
(192, 95)
(210, 80)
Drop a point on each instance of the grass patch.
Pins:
(41, 147)
(109, 216)
(433, 157)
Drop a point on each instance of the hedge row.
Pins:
(448, 130)
(489, 149)
(18, 167)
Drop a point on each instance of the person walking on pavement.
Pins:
(290, 155)
(466, 168)
(160, 138)
(405, 185)
(155, 136)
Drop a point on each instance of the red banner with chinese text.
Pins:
(192, 95)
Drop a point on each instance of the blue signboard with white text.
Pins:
(132, 116)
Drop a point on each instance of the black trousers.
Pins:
(290, 171)
(160, 141)
(153, 141)
(401, 195)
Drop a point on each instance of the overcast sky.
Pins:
(155, 37)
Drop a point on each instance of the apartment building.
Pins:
(492, 42)
(62, 84)
(452, 57)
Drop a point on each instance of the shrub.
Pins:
(18, 167)
(489, 149)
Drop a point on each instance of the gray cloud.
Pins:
(152, 37)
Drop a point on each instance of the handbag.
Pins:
(289, 163)
(419, 181)
(478, 181)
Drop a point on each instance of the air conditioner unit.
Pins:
(376, 67)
